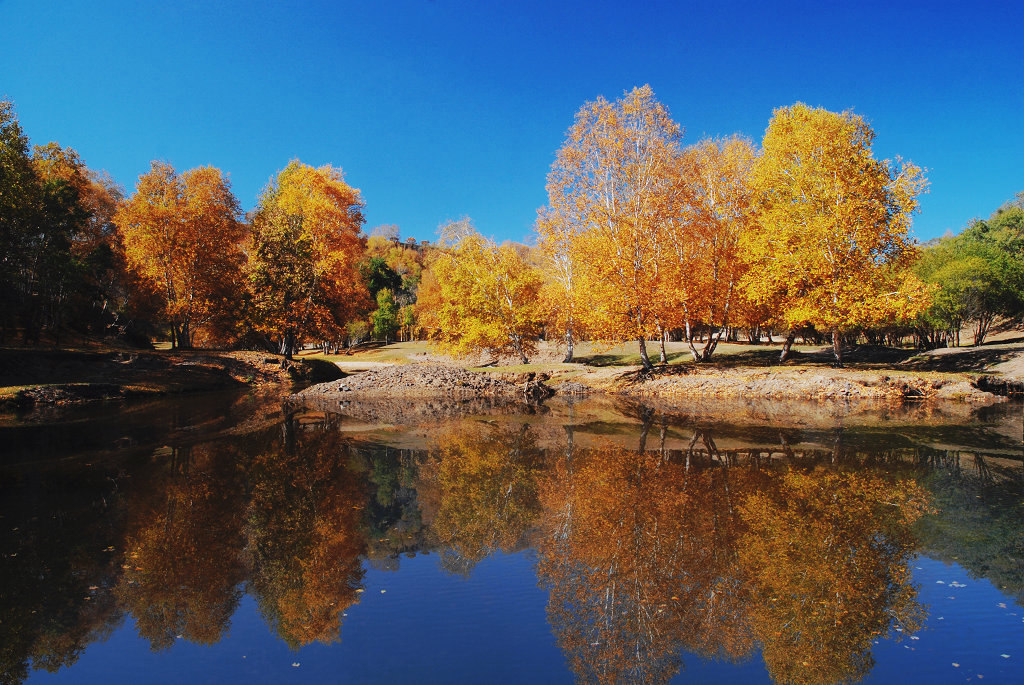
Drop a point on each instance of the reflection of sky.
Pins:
(430, 626)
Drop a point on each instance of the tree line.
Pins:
(646, 239)
(643, 239)
(178, 258)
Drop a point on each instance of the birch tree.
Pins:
(834, 224)
(611, 178)
(483, 296)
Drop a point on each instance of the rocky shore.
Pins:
(429, 380)
(423, 380)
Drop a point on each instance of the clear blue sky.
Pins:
(440, 109)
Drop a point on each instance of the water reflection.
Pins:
(656, 534)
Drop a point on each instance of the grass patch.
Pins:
(395, 353)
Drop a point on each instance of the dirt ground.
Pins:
(30, 377)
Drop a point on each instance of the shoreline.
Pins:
(423, 380)
(46, 378)
(32, 378)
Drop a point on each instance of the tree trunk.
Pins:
(644, 359)
(185, 337)
(663, 358)
(287, 346)
(569, 344)
(787, 345)
(837, 347)
(689, 342)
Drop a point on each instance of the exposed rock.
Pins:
(413, 380)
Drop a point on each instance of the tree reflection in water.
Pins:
(646, 557)
(676, 546)
(304, 533)
(183, 566)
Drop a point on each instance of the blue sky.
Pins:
(441, 109)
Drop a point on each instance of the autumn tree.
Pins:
(303, 261)
(563, 296)
(714, 209)
(483, 296)
(834, 224)
(612, 180)
(183, 234)
(826, 555)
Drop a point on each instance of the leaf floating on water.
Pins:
(914, 637)
(1005, 656)
(941, 582)
(1001, 605)
(383, 591)
(295, 664)
(956, 665)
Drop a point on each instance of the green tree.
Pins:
(19, 193)
(40, 217)
(980, 276)
(385, 319)
(379, 276)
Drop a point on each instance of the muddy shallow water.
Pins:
(226, 538)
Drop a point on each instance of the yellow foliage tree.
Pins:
(834, 224)
(182, 233)
(482, 296)
(306, 245)
(563, 295)
(612, 180)
(715, 209)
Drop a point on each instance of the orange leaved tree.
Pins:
(834, 224)
(563, 296)
(303, 262)
(182, 233)
(714, 209)
(612, 176)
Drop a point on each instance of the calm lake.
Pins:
(228, 538)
